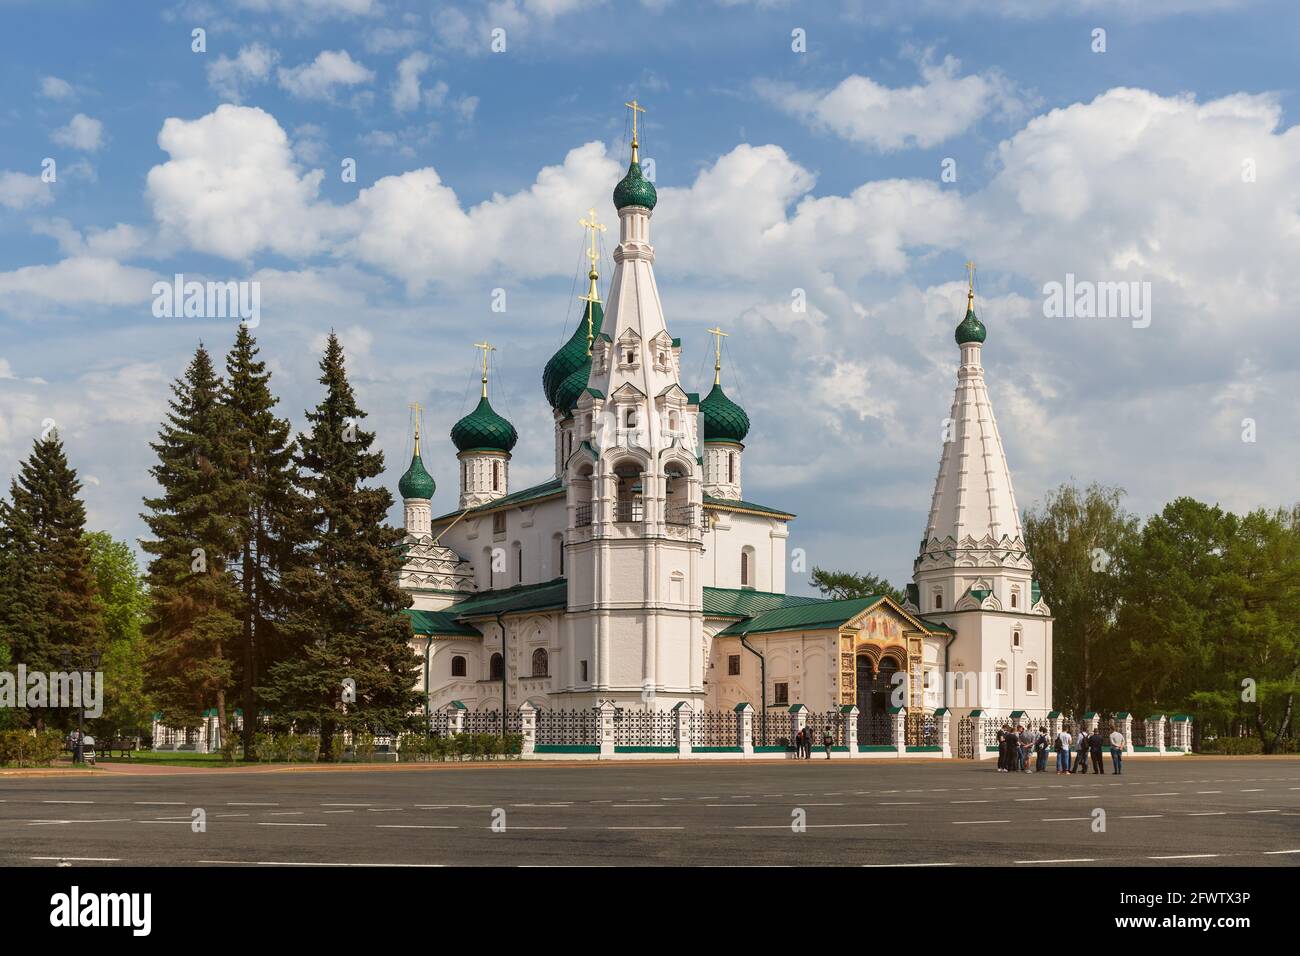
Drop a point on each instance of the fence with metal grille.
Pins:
(921, 730)
(482, 722)
(568, 727)
(772, 729)
(1169, 734)
(818, 723)
(1142, 732)
(644, 728)
(438, 723)
(875, 730)
(966, 737)
(715, 728)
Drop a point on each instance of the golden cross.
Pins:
(635, 107)
(593, 225)
(415, 407)
(718, 336)
(970, 293)
(486, 349)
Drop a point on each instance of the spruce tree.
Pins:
(52, 618)
(192, 623)
(345, 619)
(262, 476)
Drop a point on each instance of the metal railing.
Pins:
(582, 516)
(629, 510)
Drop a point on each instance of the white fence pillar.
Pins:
(528, 726)
(683, 712)
(798, 720)
(943, 726)
(745, 728)
(850, 712)
(607, 728)
(1181, 733)
(1156, 727)
(455, 718)
(899, 715)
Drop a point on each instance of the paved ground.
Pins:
(1160, 812)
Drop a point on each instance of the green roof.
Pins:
(572, 355)
(724, 420)
(483, 429)
(417, 482)
(524, 597)
(545, 489)
(743, 602)
(567, 392)
(635, 190)
(736, 504)
(439, 623)
(936, 625)
(971, 329)
(812, 616)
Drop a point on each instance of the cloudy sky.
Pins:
(800, 153)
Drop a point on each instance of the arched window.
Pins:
(1015, 637)
(938, 600)
(519, 563)
(496, 668)
(541, 663)
(1015, 597)
(496, 476)
(731, 467)
(1000, 677)
(631, 418)
(458, 666)
(747, 567)
(677, 508)
(1031, 678)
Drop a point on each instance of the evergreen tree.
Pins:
(192, 627)
(345, 620)
(52, 617)
(262, 476)
(843, 585)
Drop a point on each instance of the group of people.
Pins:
(1018, 747)
(803, 742)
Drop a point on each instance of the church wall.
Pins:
(805, 662)
(732, 532)
(984, 641)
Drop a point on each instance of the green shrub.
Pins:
(24, 748)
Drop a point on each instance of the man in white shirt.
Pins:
(1063, 742)
(1116, 748)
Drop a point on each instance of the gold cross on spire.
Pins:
(718, 336)
(635, 107)
(415, 407)
(486, 349)
(970, 292)
(592, 298)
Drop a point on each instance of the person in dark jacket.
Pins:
(1095, 743)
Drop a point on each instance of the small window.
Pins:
(1029, 682)
(631, 418)
(458, 666)
(496, 476)
(997, 682)
(744, 569)
(1015, 598)
(781, 693)
(541, 663)
(731, 467)
(1015, 638)
(519, 565)
(938, 600)
(733, 665)
(499, 523)
(497, 668)
(631, 357)
(582, 671)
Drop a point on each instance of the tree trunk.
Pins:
(250, 675)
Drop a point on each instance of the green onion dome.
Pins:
(566, 396)
(571, 356)
(634, 189)
(416, 483)
(483, 430)
(724, 420)
(971, 329)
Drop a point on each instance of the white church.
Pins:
(640, 574)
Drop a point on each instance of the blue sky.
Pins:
(777, 170)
